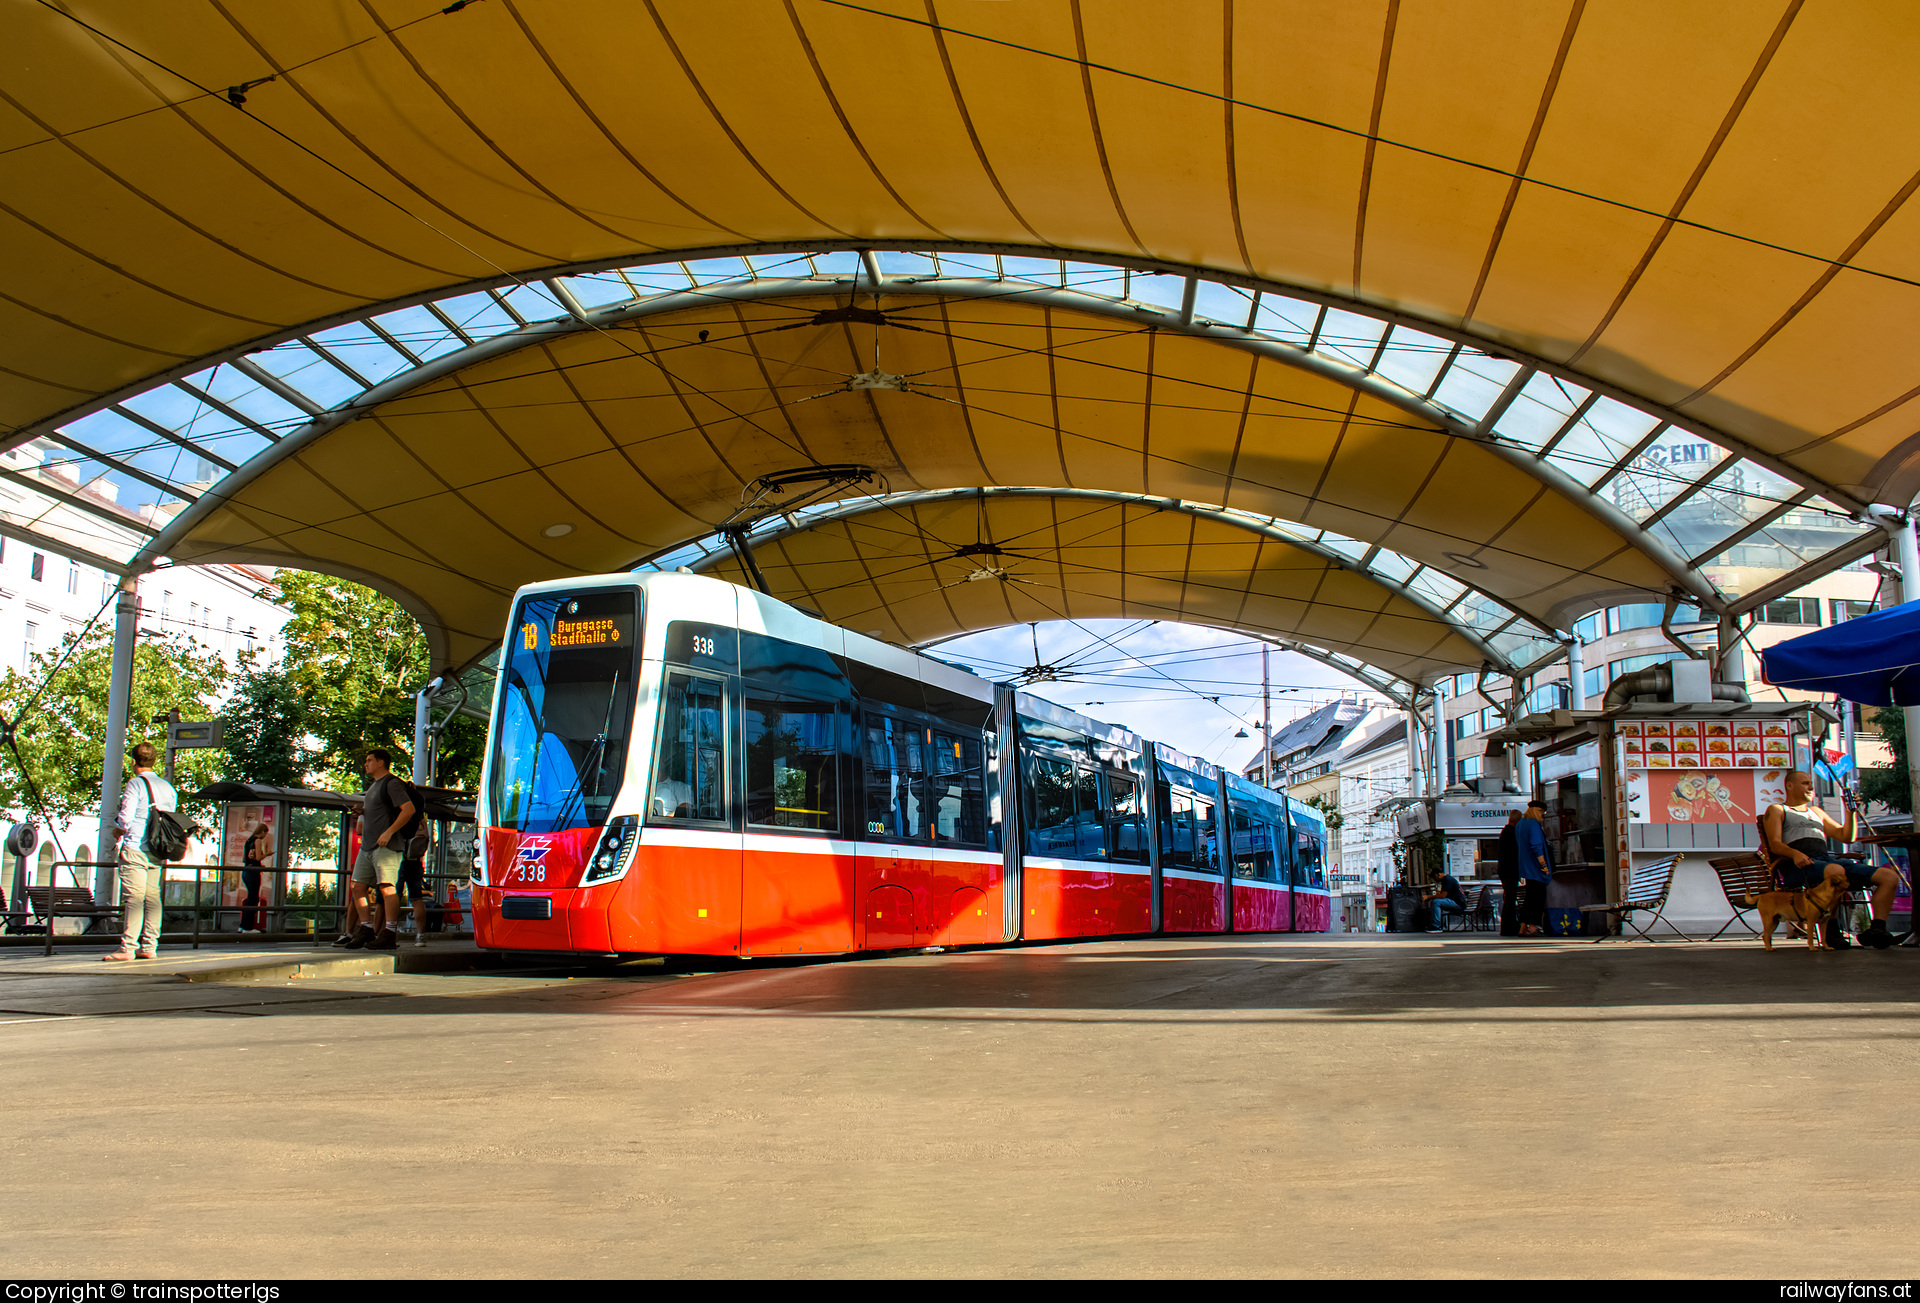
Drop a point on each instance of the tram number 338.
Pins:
(702, 646)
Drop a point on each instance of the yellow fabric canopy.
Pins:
(1697, 208)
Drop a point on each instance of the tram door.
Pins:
(685, 895)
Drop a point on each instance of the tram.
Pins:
(680, 765)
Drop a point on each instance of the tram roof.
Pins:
(1435, 326)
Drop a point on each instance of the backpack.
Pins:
(165, 840)
(405, 836)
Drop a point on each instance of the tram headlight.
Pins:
(615, 848)
(479, 873)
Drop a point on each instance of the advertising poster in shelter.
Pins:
(251, 835)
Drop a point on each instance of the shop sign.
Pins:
(1488, 816)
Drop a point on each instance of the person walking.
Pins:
(1509, 854)
(413, 881)
(1536, 867)
(385, 811)
(140, 874)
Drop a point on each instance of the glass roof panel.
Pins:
(1393, 566)
(713, 271)
(1413, 358)
(1601, 438)
(598, 289)
(112, 435)
(1665, 471)
(1350, 336)
(370, 356)
(1159, 290)
(1473, 382)
(1221, 303)
(1539, 410)
(249, 397)
(1805, 533)
(477, 314)
(904, 264)
(533, 301)
(1521, 648)
(420, 332)
(1286, 319)
(1438, 588)
(1041, 271)
(308, 372)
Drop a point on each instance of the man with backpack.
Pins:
(146, 831)
(389, 815)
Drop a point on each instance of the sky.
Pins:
(1158, 679)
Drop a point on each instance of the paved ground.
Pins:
(1246, 1106)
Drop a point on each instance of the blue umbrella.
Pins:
(1872, 659)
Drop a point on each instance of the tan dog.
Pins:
(1808, 908)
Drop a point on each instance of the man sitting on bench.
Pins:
(1449, 898)
(1796, 833)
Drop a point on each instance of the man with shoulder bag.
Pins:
(149, 837)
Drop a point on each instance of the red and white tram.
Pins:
(683, 766)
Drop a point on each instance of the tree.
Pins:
(266, 727)
(1329, 808)
(1889, 785)
(354, 659)
(62, 738)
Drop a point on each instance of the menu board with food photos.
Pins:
(1706, 744)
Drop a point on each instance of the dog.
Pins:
(1808, 908)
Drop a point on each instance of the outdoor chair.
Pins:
(1458, 920)
(1646, 893)
(1482, 916)
(1742, 879)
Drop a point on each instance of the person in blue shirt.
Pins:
(1536, 869)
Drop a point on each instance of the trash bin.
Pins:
(1403, 909)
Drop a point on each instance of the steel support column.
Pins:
(1900, 532)
(126, 615)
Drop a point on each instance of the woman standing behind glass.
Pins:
(259, 850)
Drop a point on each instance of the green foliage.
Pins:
(1329, 808)
(1889, 785)
(354, 659)
(266, 725)
(63, 739)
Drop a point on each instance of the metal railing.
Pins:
(40, 905)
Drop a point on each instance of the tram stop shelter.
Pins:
(1400, 335)
(309, 846)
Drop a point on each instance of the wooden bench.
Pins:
(1646, 892)
(66, 902)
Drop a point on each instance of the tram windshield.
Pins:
(566, 706)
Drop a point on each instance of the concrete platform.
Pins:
(1345, 1105)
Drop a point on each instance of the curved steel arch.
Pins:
(576, 321)
(788, 527)
(1052, 253)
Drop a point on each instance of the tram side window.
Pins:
(1252, 847)
(1089, 831)
(791, 761)
(959, 788)
(690, 778)
(1307, 870)
(1126, 833)
(896, 777)
(1189, 834)
(1050, 830)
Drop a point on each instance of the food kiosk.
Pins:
(1648, 779)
